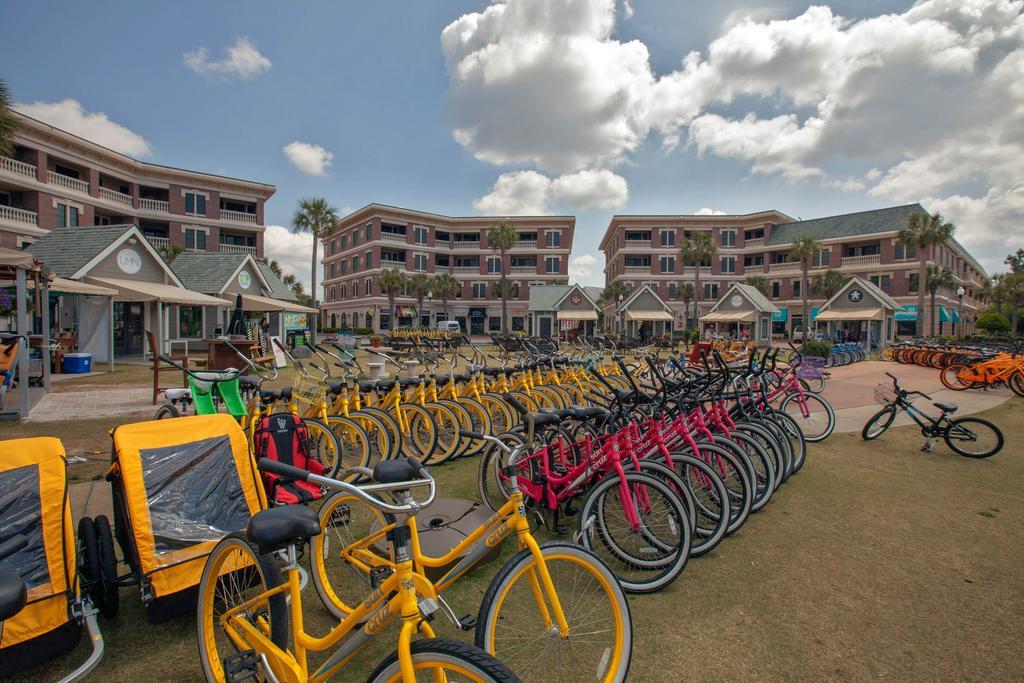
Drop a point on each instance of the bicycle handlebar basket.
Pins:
(309, 390)
(885, 394)
(811, 367)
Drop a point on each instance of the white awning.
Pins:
(577, 315)
(730, 316)
(850, 314)
(138, 290)
(63, 285)
(253, 302)
(649, 315)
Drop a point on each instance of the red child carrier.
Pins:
(283, 437)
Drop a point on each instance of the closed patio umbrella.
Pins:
(237, 325)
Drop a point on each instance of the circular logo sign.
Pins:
(736, 301)
(855, 295)
(244, 279)
(576, 299)
(129, 261)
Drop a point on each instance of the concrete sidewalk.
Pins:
(93, 403)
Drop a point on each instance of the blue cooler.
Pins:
(77, 363)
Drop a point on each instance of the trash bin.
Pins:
(77, 363)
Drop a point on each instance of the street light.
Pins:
(618, 311)
(430, 302)
(960, 291)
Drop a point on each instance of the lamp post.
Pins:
(430, 301)
(960, 291)
(618, 314)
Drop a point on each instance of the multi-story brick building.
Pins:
(56, 179)
(379, 237)
(644, 250)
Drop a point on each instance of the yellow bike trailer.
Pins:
(179, 486)
(34, 505)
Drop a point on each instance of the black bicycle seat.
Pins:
(394, 471)
(268, 395)
(249, 381)
(385, 384)
(589, 412)
(335, 386)
(562, 413)
(366, 384)
(410, 381)
(946, 407)
(541, 419)
(281, 526)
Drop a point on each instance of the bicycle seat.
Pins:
(267, 395)
(946, 407)
(541, 419)
(366, 384)
(336, 386)
(588, 412)
(394, 471)
(13, 594)
(385, 384)
(177, 393)
(248, 381)
(562, 413)
(286, 394)
(281, 526)
(492, 372)
(410, 381)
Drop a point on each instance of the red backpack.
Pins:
(283, 437)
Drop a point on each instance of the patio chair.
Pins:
(158, 367)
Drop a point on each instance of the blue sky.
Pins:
(371, 84)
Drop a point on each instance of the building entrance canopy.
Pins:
(138, 290)
(577, 315)
(653, 316)
(264, 304)
(850, 314)
(729, 316)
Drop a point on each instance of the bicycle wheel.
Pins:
(235, 573)
(950, 378)
(973, 437)
(390, 424)
(480, 420)
(734, 475)
(878, 423)
(464, 421)
(1016, 382)
(341, 573)
(501, 415)
(353, 445)
(381, 445)
(420, 431)
(491, 482)
(324, 446)
(166, 411)
(820, 419)
(442, 659)
(763, 468)
(649, 556)
(792, 438)
(711, 502)
(512, 626)
(446, 425)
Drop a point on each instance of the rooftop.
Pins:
(52, 248)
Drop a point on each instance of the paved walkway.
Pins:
(93, 403)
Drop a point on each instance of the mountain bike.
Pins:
(972, 437)
(243, 620)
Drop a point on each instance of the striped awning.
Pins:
(405, 311)
(729, 316)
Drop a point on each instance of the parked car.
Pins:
(449, 326)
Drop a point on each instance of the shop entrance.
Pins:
(477, 317)
(128, 328)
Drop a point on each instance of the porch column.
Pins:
(21, 291)
(44, 301)
(110, 335)
(159, 328)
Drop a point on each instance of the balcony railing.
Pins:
(788, 267)
(855, 261)
(638, 269)
(17, 167)
(465, 245)
(466, 270)
(115, 196)
(392, 262)
(392, 237)
(523, 270)
(704, 270)
(9, 213)
(238, 216)
(754, 242)
(155, 205)
(238, 249)
(637, 244)
(67, 182)
(525, 244)
(159, 242)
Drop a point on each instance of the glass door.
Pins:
(128, 328)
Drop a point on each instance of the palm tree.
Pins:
(937, 278)
(685, 294)
(391, 283)
(924, 231)
(757, 282)
(169, 252)
(828, 283)
(1013, 291)
(8, 124)
(274, 266)
(610, 295)
(445, 286)
(695, 250)
(803, 249)
(419, 285)
(501, 238)
(318, 218)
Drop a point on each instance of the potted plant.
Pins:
(375, 341)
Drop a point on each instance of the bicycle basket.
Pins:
(811, 367)
(884, 393)
(309, 390)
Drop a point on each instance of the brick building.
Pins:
(379, 237)
(644, 251)
(56, 179)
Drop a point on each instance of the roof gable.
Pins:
(92, 245)
(871, 289)
(749, 293)
(213, 272)
(639, 295)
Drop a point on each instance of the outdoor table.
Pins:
(222, 357)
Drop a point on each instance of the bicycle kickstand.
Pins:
(927, 447)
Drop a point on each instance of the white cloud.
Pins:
(241, 60)
(294, 252)
(68, 115)
(921, 105)
(308, 158)
(581, 268)
(705, 211)
(627, 10)
(533, 193)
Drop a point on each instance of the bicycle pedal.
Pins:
(378, 575)
(561, 530)
(467, 622)
(241, 666)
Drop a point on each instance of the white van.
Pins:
(449, 326)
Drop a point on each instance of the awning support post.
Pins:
(110, 336)
(44, 313)
(21, 291)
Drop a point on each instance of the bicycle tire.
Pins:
(166, 411)
(878, 423)
(108, 567)
(351, 444)
(956, 427)
(711, 502)
(443, 654)
(811, 430)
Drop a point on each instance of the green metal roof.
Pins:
(893, 218)
(544, 297)
(206, 272)
(65, 250)
(278, 289)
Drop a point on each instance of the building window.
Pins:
(553, 238)
(195, 238)
(368, 286)
(776, 290)
(668, 238)
(757, 260)
(344, 242)
(882, 282)
(913, 283)
(355, 238)
(710, 290)
(905, 252)
(551, 264)
(796, 288)
(355, 264)
(673, 290)
(344, 266)
(369, 260)
(190, 322)
(755, 234)
(494, 323)
(195, 203)
(479, 290)
(668, 264)
(727, 238)
(728, 264)
(441, 261)
(419, 262)
(820, 259)
(344, 294)
(494, 264)
(67, 216)
(420, 235)
(369, 231)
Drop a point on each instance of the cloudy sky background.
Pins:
(588, 107)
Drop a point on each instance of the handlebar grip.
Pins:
(12, 545)
(514, 402)
(470, 434)
(282, 470)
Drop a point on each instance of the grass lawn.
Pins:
(876, 561)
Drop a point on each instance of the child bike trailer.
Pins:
(35, 518)
(179, 486)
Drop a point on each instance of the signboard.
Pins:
(736, 301)
(280, 360)
(295, 321)
(569, 324)
(576, 299)
(129, 261)
(244, 279)
(855, 295)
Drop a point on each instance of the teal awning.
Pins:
(908, 314)
(782, 316)
(814, 312)
(944, 315)
(956, 315)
